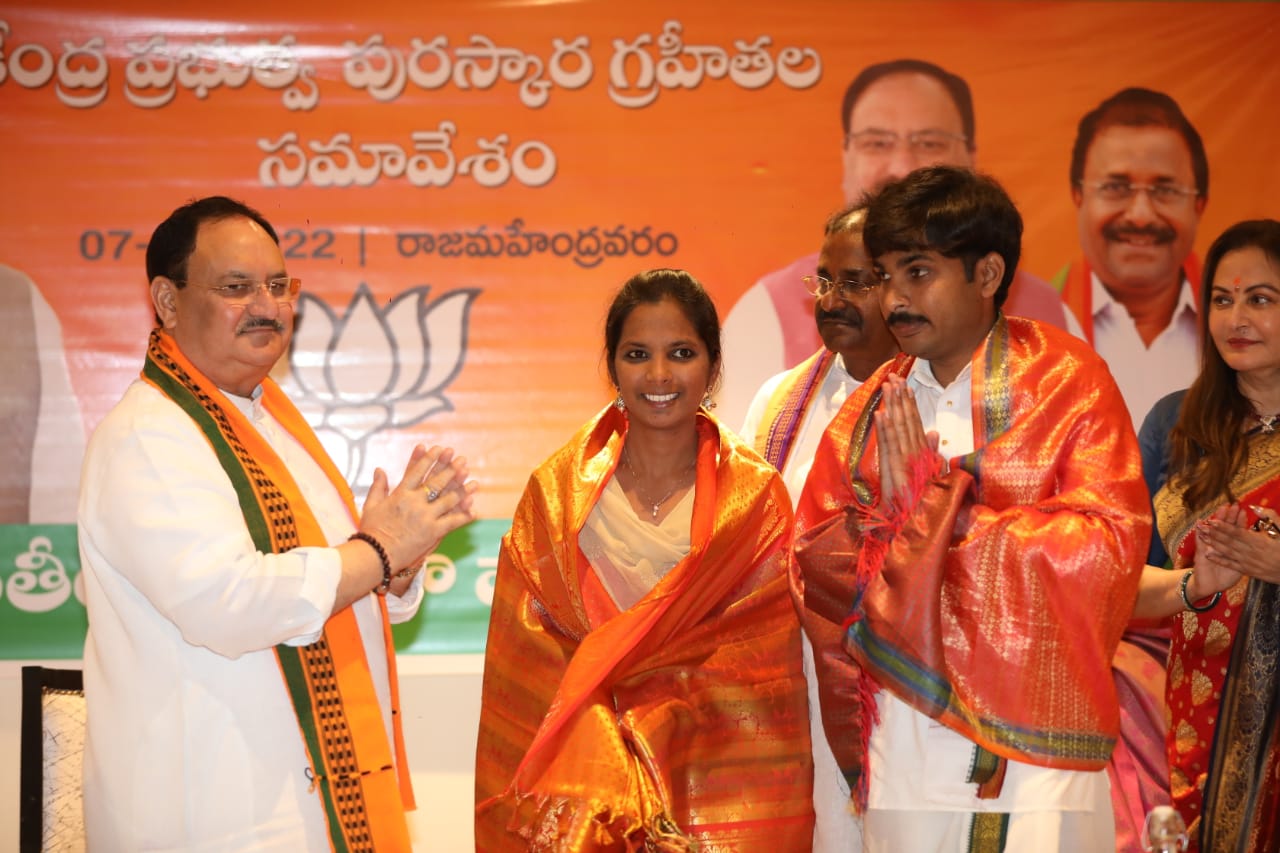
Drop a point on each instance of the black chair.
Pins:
(50, 812)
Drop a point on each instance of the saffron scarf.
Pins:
(993, 597)
(677, 722)
(1075, 283)
(787, 407)
(1223, 688)
(364, 794)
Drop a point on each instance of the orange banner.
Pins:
(462, 185)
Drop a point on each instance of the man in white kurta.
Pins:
(878, 559)
(193, 742)
(919, 768)
(176, 588)
(793, 409)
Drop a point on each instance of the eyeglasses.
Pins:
(1166, 195)
(283, 289)
(819, 286)
(923, 143)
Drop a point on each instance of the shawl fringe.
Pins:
(879, 522)
(550, 823)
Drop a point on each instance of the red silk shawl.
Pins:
(682, 719)
(994, 599)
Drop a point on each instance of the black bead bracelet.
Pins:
(382, 555)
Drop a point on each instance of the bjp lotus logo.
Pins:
(375, 368)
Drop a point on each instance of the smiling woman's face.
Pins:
(1244, 311)
(662, 366)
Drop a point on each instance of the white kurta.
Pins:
(192, 741)
(629, 554)
(836, 387)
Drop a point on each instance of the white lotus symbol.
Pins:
(375, 369)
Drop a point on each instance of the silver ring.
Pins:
(1267, 526)
(432, 494)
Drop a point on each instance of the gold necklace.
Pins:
(635, 478)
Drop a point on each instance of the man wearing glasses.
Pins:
(1139, 180)
(239, 677)
(787, 419)
(895, 117)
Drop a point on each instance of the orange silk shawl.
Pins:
(683, 719)
(994, 598)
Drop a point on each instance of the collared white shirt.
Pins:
(918, 764)
(1145, 374)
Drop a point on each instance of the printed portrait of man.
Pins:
(896, 117)
(1139, 182)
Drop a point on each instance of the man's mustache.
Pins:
(897, 317)
(260, 323)
(853, 318)
(1159, 233)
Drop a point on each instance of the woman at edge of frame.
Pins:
(1217, 515)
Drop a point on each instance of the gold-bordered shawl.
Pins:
(1023, 558)
(681, 720)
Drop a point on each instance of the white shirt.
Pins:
(1145, 374)
(835, 828)
(58, 447)
(837, 385)
(917, 764)
(192, 742)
